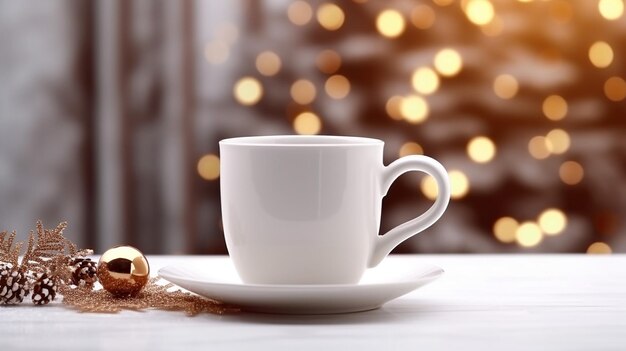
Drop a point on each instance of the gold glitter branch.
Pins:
(9, 253)
(50, 252)
(153, 295)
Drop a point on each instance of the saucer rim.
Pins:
(432, 273)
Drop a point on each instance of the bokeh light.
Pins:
(601, 54)
(505, 86)
(425, 80)
(459, 185)
(559, 140)
(414, 109)
(505, 229)
(299, 12)
(209, 167)
(423, 16)
(307, 123)
(390, 23)
(552, 221)
(337, 86)
(528, 234)
(571, 172)
(599, 248)
(410, 148)
(615, 89)
(539, 147)
(328, 61)
(248, 91)
(303, 91)
(393, 107)
(330, 16)
(479, 12)
(554, 107)
(611, 9)
(268, 63)
(448, 62)
(481, 149)
(429, 188)
(443, 2)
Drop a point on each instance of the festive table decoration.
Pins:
(123, 271)
(153, 295)
(53, 265)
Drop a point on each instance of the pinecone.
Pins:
(44, 290)
(84, 272)
(14, 285)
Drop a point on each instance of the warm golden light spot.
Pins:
(505, 229)
(425, 80)
(505, 86)
(571, 172)
(299, 13)
(599, 248)
(393, 107)
(601, 54)
(248, 91)
(539, 147)
(615, 89)
(268, 63)
(481, 149)
(448, 62)
(552, 221)
(328, 61)
(390, 23)
(410, 148)
(414, 109)
(330, 16)
(443, 2)
(528, 234)
(216, 52)
(423, 16)
(479, 12)
(209, 167)
(459, 185)
(611, 9)
(428, 186)
(337, 86)
(307, 123)
(554, 107)
(303, 91)
(559, 139)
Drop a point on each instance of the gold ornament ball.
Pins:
(123, 271)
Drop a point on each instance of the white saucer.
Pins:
(218, 280)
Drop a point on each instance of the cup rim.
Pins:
(301, 141)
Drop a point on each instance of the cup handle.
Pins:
(385, 243)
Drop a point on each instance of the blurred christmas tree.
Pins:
(522, 101)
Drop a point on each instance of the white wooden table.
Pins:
(523, 302)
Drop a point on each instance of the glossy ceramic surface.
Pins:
(384, 283)
(306, 209)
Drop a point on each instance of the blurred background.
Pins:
(111, 113)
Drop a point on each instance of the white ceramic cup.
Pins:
(306, 209)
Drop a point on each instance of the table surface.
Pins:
(512, 302)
